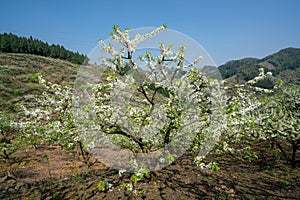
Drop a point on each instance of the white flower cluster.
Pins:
(117, 62)
(260, 76)
(48, 118)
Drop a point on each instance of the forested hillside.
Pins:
(284, 65)
(10, 43)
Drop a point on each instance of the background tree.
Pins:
(11, 43)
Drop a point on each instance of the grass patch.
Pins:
(18, 75)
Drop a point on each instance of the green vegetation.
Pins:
(238, 67)
(10, 43)
(8, 143)
(284, 65)
(18, 76)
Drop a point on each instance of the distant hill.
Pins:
(10, 43)
(284, 65)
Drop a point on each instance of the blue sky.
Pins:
(227, 29)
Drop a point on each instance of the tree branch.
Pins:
(116, 130)
(145, 94)
(281, 150)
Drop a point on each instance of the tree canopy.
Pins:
(11, 43)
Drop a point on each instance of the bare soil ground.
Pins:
(50, 173)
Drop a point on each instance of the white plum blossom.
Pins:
(158, 112)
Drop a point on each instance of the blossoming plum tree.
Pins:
(280, 121)
(157, 108)
(48, 118)
(273, 117)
